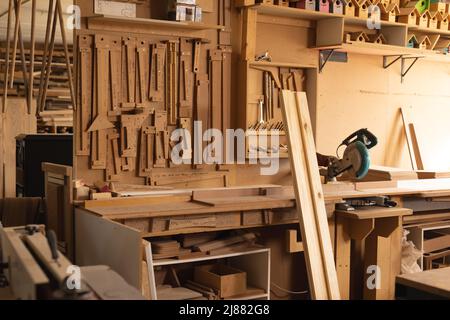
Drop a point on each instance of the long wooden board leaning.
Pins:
(309, 196)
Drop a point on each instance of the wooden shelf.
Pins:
(281, 65)
(296, 13)
(386, 50)
(303, 14)
(443, 33)
(154, 22)
(168, 262)
(363, 22)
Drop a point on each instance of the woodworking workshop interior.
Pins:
(243, 151)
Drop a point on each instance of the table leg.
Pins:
(379, 270)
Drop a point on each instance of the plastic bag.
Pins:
(410, 255)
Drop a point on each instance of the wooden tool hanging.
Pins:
(156, 83)
(100, 110)
(85, 58)
(129, 72)
(172, 82)
(142, 73)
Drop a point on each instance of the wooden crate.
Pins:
(227, 280)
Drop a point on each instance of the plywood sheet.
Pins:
(104, 242)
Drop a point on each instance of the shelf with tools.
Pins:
(263, 118)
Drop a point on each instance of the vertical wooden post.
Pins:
(32, 50)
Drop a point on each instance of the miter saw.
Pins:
(356, 159)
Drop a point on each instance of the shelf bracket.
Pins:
(405, 69)
(387, 64)
(324, 57)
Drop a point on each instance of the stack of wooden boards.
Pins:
(54, 119)
(383, 173)
(195, 245)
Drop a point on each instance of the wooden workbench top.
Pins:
(204, 206)
(203, 201)
(374, 212)
(435, 281)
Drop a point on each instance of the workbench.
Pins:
(111, 231)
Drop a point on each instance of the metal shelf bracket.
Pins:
(324, 57)
(387, 64)
(405, 68)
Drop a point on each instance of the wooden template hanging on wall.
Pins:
(320, 265)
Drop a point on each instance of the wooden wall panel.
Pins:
(366, 95)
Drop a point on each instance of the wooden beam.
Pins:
(8, 39)
(44, 57)
(322, 274)
(66, 52)
(32, 52)
(17, 9)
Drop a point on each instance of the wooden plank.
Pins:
(309, 196)
(215, 57)
(374, 212)
(156, 83)
(129, 64)
(66, 53)
(172, 81)
(48, 60)
(216, 244)
(437, 243)
(411, 140)
(8, 44)
(115, 64)
(244, 203)
(44, 58)
(142, 72)
(17, 10)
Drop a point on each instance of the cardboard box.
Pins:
(227, 280)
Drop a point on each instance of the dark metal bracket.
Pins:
(405, 68)
(324, 57)
(387, 64)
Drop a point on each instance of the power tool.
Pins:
(356, 158)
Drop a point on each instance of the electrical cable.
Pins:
(286, 290)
